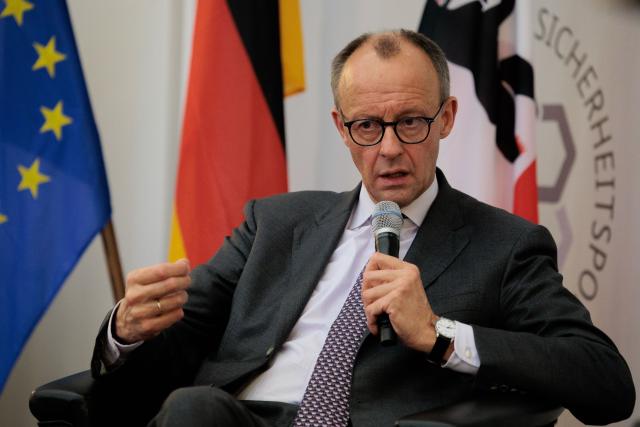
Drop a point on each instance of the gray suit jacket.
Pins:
(479, 265)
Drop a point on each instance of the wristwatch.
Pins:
(445, 333)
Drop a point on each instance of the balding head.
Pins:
(387, 45)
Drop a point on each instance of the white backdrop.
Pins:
(135, 57)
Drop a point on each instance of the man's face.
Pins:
(388, 89)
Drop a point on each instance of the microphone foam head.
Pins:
(386, 217)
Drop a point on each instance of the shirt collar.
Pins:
(416, 211)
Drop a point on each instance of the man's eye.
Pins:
(366, 125)
(409, 122)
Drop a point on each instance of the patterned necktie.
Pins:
(326, 399)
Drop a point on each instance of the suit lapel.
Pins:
(313, 244)
(442, 235)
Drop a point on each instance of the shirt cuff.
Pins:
(464, 358)
(115, 352)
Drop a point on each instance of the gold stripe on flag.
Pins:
(291, 50)
(176, 244)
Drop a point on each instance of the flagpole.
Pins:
(113, 261)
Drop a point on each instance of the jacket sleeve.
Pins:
(172, 359)
(545, 342)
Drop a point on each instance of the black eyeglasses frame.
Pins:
(393, 124)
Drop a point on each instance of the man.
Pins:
(249, 336)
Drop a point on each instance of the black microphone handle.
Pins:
(387, 243)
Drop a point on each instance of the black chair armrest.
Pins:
(66, 402)
(488, 410)
(63, 402)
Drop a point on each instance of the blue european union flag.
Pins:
(53, 189)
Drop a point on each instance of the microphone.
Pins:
(387, 222)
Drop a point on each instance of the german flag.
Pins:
(233, 146)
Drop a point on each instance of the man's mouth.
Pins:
(393, 178)
(393, 174)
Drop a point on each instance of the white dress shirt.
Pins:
(287, 378)
(291, 368)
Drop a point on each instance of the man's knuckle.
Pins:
(132, 298)
(134, 317)
(370, 310)
(162, 270)
(163, 288)
(170, 283)
(402, 291)
(131, 277)
(147, 325)
(184, 297)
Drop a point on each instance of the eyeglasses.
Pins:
(409, 130)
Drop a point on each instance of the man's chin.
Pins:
(402, 198)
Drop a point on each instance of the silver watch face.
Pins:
(446, 327)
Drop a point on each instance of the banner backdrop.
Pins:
(588, 96)
(586, 59)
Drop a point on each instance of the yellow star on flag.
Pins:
(54, 120)
(48, 56)
(31, 178)
(3, 219)
(16, 8)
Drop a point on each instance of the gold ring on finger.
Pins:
(159, 307)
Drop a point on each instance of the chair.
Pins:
(70, 401)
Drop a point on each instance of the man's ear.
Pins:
(448, 116)
(337, 121)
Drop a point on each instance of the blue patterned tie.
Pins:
(326, 399)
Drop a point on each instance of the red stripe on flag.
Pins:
(231, 150)
(525, 198)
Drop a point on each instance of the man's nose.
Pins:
(390, 146)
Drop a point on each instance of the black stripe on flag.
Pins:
(258, 23)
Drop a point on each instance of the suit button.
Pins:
(269, 351)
